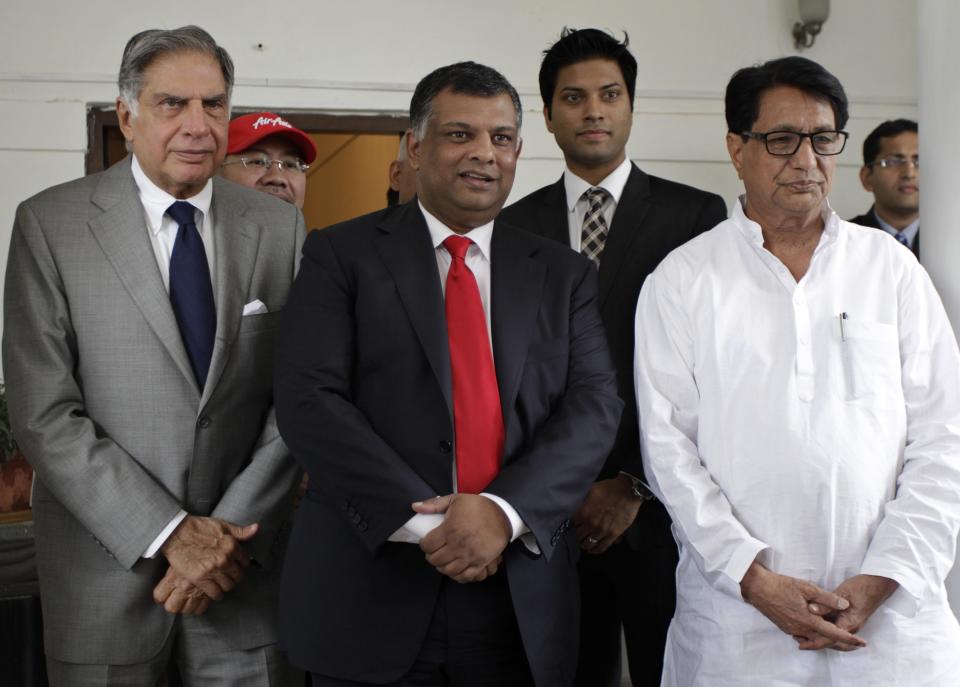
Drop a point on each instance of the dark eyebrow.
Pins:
(796, 130)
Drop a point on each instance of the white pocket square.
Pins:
(254, 308)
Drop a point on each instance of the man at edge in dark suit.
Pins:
(445, 381)
(891, 172)
(626, 221)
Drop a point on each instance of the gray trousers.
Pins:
(200, 659)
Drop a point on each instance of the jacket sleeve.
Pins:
(102, 485)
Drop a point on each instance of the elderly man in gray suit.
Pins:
(139, 316)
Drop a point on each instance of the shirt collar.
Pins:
(910, 231)
(155, 200)
(481, 236)
(751, 230)
(612, 184)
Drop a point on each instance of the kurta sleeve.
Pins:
(668, 401)
(915, 541)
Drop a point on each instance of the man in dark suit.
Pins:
(891, 172)
(430, 350)
(626, 221)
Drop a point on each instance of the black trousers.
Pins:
(632, 589)
(473, 641)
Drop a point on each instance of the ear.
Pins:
(519, 146)
(394, 175)
(866, 178)
(546, 118)
(125, 116)
(413, 150)
(735, 145)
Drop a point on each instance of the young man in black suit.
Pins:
(445, 380)
(625, 221)
(891, 172)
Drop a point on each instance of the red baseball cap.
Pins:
(248, 129)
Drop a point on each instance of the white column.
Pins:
(939, 89)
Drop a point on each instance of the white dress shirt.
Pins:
(162, 230)
(830, 450)
(577, 205)
(478, 260)
(910, 231)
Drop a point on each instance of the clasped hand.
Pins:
(609, 509)
(206, 561)
(814, 617)
(468, 546)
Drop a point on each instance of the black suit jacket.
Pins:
(653, 217)
(869, 219)
(364, 401)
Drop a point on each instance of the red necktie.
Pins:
(477, 417)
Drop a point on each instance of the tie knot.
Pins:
(596, 195)
(182, 212)
(457, 245)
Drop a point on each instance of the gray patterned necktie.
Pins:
(593, 236)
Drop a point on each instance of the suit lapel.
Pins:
(625, 229)
(236, 240)
(515, 294)
(552, 216)
(121, 232)
(406, 250)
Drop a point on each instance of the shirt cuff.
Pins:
(416, 528)
(906, 600)
(518, 527)
(165, 533)
(741, 560)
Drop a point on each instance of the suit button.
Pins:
(204, 422)
(344, 505)
(357, 519)
(362, 526)
(446, 446)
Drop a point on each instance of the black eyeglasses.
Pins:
(896, 162)
(787, 143)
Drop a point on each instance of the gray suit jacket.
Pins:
(106, 408)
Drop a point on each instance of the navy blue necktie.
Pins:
(902, 238)
(191, 292)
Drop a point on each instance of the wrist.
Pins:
(636, 490)
(750, 580)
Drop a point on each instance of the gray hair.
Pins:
(147, 46)
(467, 78)
(402, 152)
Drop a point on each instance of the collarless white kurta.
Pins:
(769, 429)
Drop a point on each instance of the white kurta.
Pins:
(765, 429)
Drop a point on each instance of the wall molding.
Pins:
(384, 87)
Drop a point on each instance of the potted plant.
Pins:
(16, 475)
